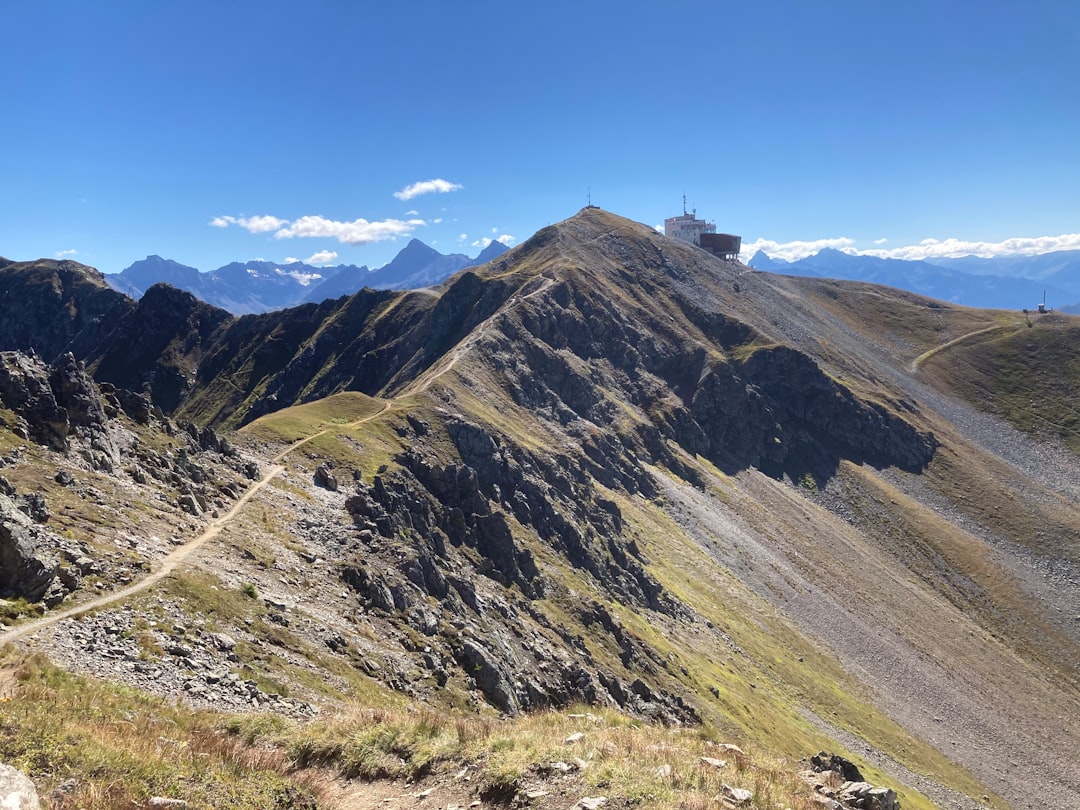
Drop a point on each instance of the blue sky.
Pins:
(211, 132)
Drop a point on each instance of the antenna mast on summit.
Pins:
(684, 204)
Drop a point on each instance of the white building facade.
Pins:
(688, 227)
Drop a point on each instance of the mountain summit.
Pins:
(608, 468)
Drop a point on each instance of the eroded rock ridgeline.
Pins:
(444, 523)
(60, 407)
(741, 402)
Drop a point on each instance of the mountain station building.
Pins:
(688, 228)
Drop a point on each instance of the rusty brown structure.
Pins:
(723, 245)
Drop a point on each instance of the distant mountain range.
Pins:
(259, 286)
(1001, 282)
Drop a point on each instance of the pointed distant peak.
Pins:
(763, 261)
(416, 246)
(492, 251)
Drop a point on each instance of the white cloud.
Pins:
(927, 249)
(437, 221)
(320, 257)
(261, 224)
(483, 242)
(950, 248)
(357, 232)
(793, 251)
(412, 213)
(62, 253)
(436, 186)
(462, 237)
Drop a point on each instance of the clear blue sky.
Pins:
(127, 128)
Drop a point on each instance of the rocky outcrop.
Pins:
(26, 390)
(60, 406)
(78, 395)
(447, 522)
(57, 403)
(30, 559)
(840, 786)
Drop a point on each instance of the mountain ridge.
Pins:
(640, 476)
(259, 286)
(970, 280)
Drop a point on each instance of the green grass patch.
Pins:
(301, 421)
(207, 596)
(1029, 376)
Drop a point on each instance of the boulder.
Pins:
(867, 796)
(825, 761)
(738, 796)
(34, 507)
(490, 678)
(17, 792)
(325, 478)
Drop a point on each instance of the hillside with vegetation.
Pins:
(606, 518)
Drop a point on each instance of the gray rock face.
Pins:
(76, 393)
(17, 792)
(25, 389)
(58, 402)
(489, 676)
(27, 568)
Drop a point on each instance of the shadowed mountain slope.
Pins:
(56, 306)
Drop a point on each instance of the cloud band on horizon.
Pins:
(926, 249)
(357, 232)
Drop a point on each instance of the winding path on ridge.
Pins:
(173, 559)
(170, 561)
(918, 361)
(435, 371)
